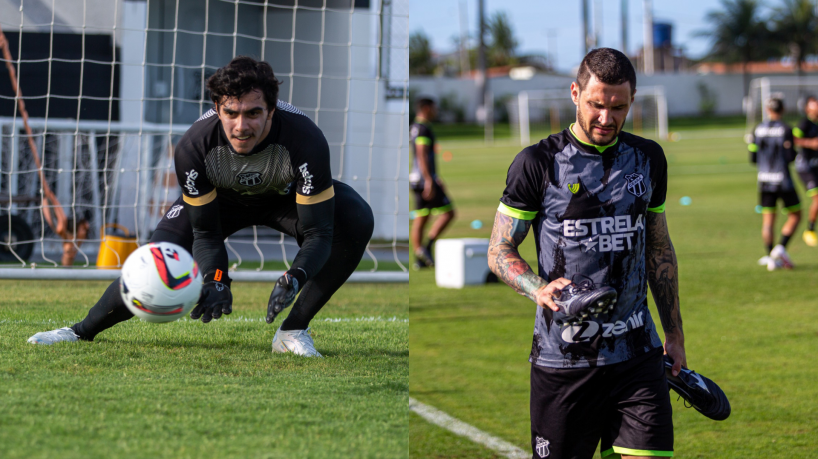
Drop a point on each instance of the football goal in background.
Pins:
(793, 90)
(537, 114)
(94, 94)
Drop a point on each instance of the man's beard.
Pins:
(589, 134)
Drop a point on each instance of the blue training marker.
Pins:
(477, 224)
(685, 201)
(758, 209)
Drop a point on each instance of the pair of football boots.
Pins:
(580, 301)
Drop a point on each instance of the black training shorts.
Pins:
(439, 203)
(768, 200)
(625, 405)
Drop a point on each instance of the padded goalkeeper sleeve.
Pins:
(208, 241)
(316, 222)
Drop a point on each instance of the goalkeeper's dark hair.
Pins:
(242, 75)
(609, 66)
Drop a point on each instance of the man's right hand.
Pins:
(214, 301)
(545, 295)
(428, 189)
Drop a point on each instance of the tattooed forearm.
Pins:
(504, 259)
(662, 273)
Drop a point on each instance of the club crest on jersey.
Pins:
(636, 186)
(174, 211)
(573, 188)
(542, 447)
(249, 178)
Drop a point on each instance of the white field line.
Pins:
(458, 427)
(392, 319)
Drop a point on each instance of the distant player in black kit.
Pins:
(806, 163)
(253, 160)
(595, 196)
(430, 195)
(772, 151)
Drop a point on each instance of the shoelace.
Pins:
(585, 284)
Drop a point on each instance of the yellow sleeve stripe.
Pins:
(797, 132)
(657, 209)
(320, 197)
(752, 147)
(516, 213)
(423, 141)
(200, 201)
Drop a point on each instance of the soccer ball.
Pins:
(160, 282)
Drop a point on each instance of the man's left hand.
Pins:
(675, 348)
(283, 295)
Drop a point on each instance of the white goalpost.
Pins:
(538, 114)
(94, 94)
(792, 90)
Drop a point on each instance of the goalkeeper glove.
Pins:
(214, 300)
(283, 295)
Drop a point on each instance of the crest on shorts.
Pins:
(174, 211)
(542, 447)
(636, 185)
(249, 178)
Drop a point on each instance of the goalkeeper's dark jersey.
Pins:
(421, 134)
(589, 212)
(807, 158)
(772, 150)
(294, 154)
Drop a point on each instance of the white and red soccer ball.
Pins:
(160, 282)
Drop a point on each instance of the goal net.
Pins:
(538, 114)
(94, 94)
(792, 90)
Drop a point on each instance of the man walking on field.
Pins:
(772, 151)
(596, 197)
(253, 160)
(430, 195)
(806, 163)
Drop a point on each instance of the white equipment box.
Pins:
(460, 262)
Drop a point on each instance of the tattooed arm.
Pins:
(662, 270)
(505, 261)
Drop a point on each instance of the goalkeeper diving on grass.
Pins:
(253, 160)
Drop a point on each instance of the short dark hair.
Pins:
(609, 66)
(775, 105)
(423, 102)
(242, 75)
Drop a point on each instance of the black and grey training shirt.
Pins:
(293, 158)
(420, 133)
(807, 158)
(772, 150)
(588, 206)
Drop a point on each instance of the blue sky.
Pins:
(538, 22)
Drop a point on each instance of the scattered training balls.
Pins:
(685, 201)
(476, 224)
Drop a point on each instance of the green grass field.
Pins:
(752, 331)
(193, 390)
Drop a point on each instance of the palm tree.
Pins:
(738, 35)
(503, 44)
(795, 24)
(420, 54)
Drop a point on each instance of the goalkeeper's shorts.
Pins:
(625, 405)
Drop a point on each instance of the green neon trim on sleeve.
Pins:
(642, 452)
(753, 148)
(423, 141)
(516, 213)
(797, 132)
(657, 209)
